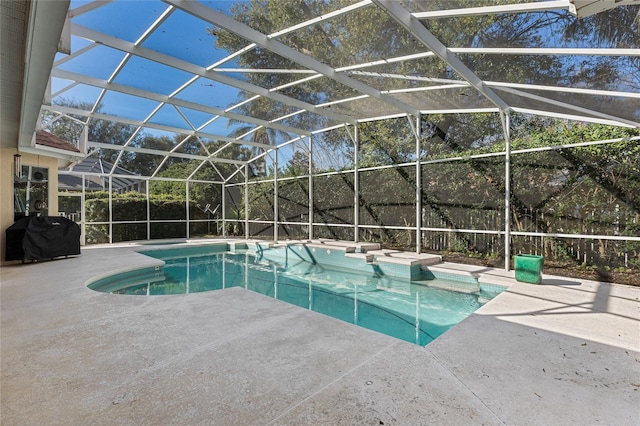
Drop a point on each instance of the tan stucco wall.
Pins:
(6, 186)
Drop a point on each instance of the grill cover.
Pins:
(42, 237)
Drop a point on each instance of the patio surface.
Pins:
(564, 352)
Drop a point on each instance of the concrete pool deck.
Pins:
(564, 352)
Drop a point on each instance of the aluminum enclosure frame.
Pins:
(310, 69)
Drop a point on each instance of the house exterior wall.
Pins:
(6, 187)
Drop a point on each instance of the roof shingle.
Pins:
(52, 141)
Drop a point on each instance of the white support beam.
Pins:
(398, 12)
(88, 7)
(310, 189)
(148, 199)
(187, 212)
(61, 91)
(317, 20)
(428, 88)
(506, 127)
(276, 201)
(571, 117)
(356, 181)
(221, 20)
(587, 112)
(495, 10)
(460, 111)
(593, 92)
(584, 8)
(549, 51)
(162, 153)
(140, 178)
(223, 199)
(159, 20)
(110, 209)
(246, 201)
(74, 55)
(263, 71)
(416, 132)
(560, 51)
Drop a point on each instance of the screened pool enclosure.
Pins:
(486, 128)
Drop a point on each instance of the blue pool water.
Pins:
(415, 311)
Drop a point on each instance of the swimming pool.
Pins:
(415, 311)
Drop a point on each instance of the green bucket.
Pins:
(528, 268)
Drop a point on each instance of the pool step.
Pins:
(358, 247)
(368, 258)
(329, 248)
(446, 269)
(405, 261)
(398, 258)
(481, 274)
(234, 246)
(405, 258)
